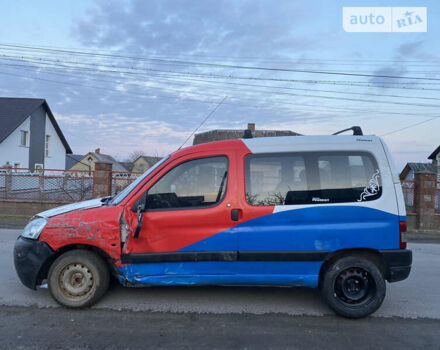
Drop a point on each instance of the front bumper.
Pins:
(398, 264)
(29, 258)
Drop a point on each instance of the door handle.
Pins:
(235, 214)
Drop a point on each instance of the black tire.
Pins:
(78, 278)
(353, 287)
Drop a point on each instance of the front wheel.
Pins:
(353, 287)
(78, 278)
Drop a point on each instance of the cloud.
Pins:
(395, 70)
(410, 49)
(403, 55)
(228, 28)
(117, 134)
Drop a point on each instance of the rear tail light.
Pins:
(402, 229)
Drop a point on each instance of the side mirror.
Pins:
(140, 216)
(140, 202)
(140, 208)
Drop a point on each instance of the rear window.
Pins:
(311, 177)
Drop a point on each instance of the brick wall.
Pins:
(15, 213)
(220, 135)
(102, 186)
(424, 216)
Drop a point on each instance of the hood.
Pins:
(93, 203)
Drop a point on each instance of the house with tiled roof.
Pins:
(143, 163)
(88, 162)
(435, 156)
(411, 169)
(30, 137)
(421, 192)
(72, 159)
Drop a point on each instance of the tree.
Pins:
(135, 155)
(138, 153)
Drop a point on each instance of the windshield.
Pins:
(121, 195)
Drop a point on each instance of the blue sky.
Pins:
(153, 102)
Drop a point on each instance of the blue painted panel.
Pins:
(308, 229)
(179, 268)
(322, 228)
(314, 228)
(279, 267)
(222, 272)
(225, 240)
(177, 280)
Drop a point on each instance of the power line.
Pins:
(248, 67)
(176, 81)
(97, 87)
(93, 68)
(239, 90)
(221, 102)
(20, 53)
(24, 47)
(283, 103)
(303, 95)
(410, 126)
(240, 84)
(278, 93)
(204, 120)
(228, 66)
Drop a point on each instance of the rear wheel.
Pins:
(353, 287)
(78, 278)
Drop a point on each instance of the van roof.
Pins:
(282, 142)
(315, 139)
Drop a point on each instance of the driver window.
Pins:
(196, 183)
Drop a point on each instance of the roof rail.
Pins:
(357, 131)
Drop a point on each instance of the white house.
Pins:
(30, 136)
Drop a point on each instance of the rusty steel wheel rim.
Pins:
(76, 281)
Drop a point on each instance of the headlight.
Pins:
(34, 228)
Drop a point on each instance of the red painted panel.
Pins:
(98, 227)
(167, 231)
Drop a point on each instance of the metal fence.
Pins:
(46, 185)
(55, 185)
(120, 180)
(408, 188)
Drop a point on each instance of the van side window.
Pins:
(195, 183)
(270, 177)
(345, 176)
(311, 178)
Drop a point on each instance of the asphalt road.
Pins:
(56, 328)
(220, 317)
